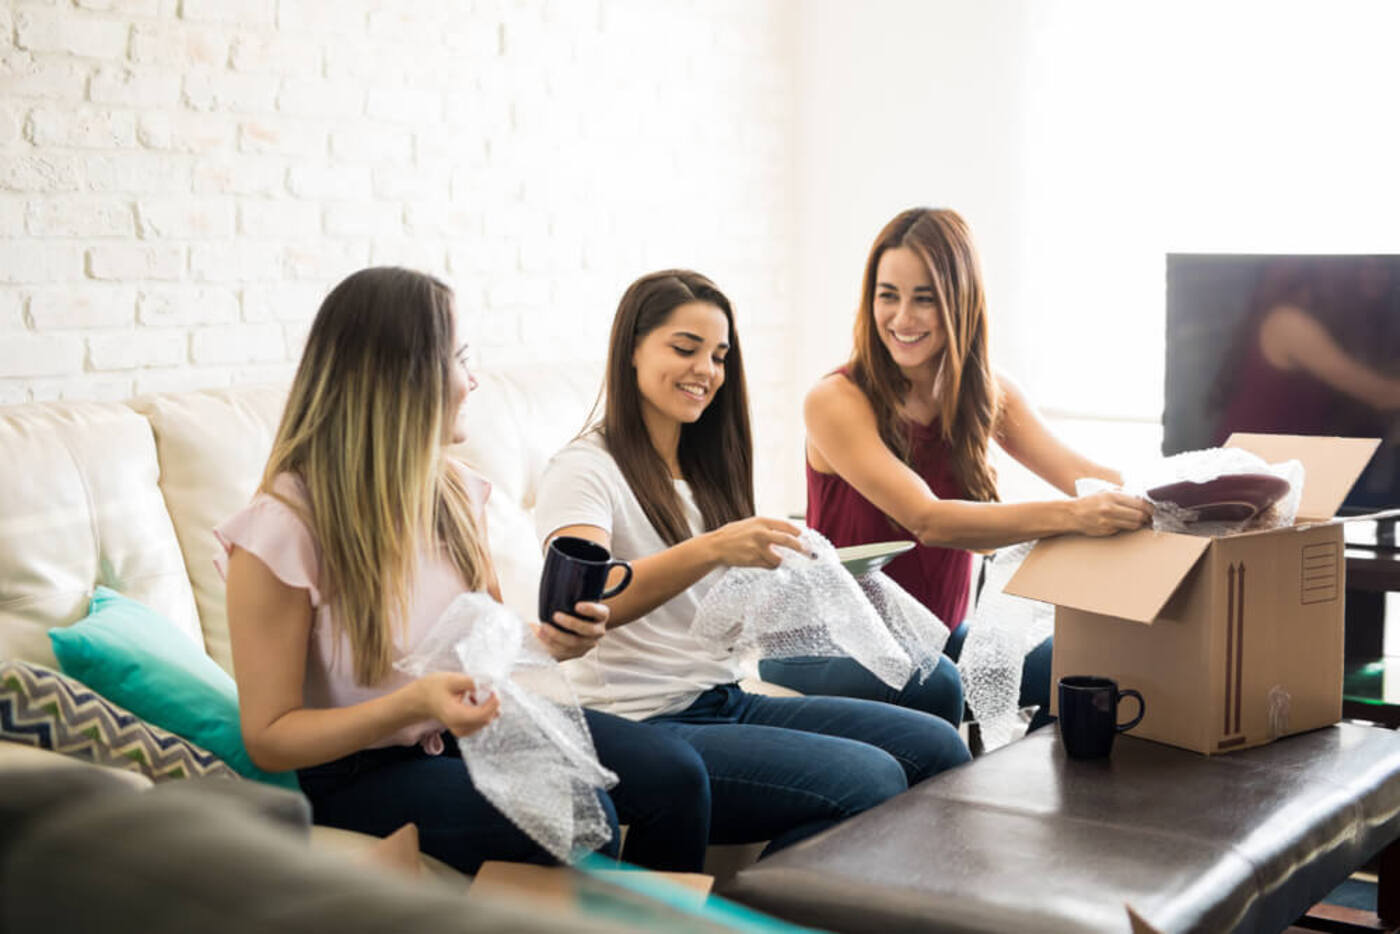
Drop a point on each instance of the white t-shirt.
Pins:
(651, 665)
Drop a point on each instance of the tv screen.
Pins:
(1289, 344)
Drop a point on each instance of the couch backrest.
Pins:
(212, 447)
(80, 505)
(127, 495)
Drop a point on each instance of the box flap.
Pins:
(1130, 575)
(1330, 466)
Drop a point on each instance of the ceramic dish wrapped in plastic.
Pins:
(535, 762)
(812, 606)
(1215, 491)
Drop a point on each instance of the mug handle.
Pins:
(626, 579)
(1142, 709)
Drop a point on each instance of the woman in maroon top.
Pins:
(897, 449)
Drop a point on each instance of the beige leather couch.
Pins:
(126, 495)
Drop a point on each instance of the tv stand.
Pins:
(1371, 688)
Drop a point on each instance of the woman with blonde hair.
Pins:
(362, 532)
(897, 448)
(665, 480)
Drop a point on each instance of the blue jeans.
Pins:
(784, 768)
(663, 797)
(940, 694)
(1035, 675)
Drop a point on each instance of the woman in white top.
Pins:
(665, 480)
(362, 532)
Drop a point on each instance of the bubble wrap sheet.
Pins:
(535, 762)
(813, 606)
(1002, 630)
(1199, 467)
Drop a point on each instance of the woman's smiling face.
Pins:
(680, 365)
(906, 309)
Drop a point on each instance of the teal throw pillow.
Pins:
(136, 658)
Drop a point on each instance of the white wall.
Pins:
(1084, 139)
(181, 180)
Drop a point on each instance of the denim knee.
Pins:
(942, 748)
(942, 692)
(875, 776)
(681, 774)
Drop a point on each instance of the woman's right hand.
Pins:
(748, 543)
(1108, 512)
(443, 696)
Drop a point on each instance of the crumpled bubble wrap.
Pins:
(1002, 630)
(919, 632)
(535, 762)
(1199, 467)
(813, 606)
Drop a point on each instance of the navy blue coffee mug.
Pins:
(1089, 715)
(576, 569)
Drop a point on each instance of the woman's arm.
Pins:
(842, 430)
(270, 629)
(1294, 338)
(666, 574)
(1024, 435)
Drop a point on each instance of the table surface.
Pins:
(1026, 839)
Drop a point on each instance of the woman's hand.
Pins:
(576, 634)
(1109, 512)
(445, 697)
(748, 543)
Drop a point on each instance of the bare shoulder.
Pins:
(836, 398)
(1287, 332)
(1288, 320)
(1012, 401)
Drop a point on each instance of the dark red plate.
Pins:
(1235, 497)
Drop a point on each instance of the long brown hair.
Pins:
(363, 429)
(716, 451)
(969, 401)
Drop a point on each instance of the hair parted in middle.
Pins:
(364, 428)
(969, 400)
(716, 451)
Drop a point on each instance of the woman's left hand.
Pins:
(574, 634)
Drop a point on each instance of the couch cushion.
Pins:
(515, 421)
(130, 655)
(50, 710)
(213, 446)
(80, 506)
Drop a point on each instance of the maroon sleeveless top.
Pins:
(938, 577)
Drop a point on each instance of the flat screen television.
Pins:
(1290, 344)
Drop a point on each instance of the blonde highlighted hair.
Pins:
(969, 400)
(364, 428)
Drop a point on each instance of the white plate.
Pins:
(862, 559)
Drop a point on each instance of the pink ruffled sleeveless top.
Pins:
(275, 533)
(938, 577)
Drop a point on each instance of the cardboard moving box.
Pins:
(1233, 641)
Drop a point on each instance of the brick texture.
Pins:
(181, 182)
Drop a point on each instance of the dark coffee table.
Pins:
(1024, 839)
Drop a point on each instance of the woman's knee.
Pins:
(683, 777)
(875, 776)
(941, 693)
(944, 749)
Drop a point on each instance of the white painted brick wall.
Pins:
(182, 180)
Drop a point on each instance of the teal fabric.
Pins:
(136, 658)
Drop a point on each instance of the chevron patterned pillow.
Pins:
(41, 707)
